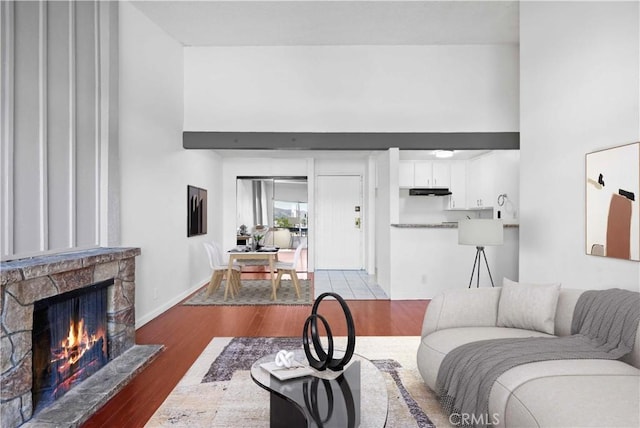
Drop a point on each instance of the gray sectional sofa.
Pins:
(558, 393)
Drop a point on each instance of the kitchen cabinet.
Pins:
(475, 184)
(432, 174)
(405, 173)
(481, 181)
(424, 174)
(441, 174)
(458, 187)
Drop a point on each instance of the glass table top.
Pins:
(356, 396)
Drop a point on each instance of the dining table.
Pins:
(244, 253)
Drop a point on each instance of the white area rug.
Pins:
(218, 391)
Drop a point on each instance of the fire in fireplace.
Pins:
(69, 341)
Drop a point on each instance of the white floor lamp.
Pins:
(480, 232)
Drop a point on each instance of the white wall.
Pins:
(386, 206)
(507, 182)
(579, 92)
(155, 169)
(352, 88)
(244, 204)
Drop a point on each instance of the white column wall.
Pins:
(156, 170)
(579, 92)
(58, 146)
(386, 206)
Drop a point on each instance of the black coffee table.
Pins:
(356, 397)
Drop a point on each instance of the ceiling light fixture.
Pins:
(443, 153)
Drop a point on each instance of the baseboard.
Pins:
(161, 309)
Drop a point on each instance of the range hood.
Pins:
(429, 191)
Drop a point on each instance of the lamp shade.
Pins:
(480, 232)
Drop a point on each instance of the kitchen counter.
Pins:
(425, 260)
(442, 225)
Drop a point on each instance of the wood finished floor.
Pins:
(186, 330)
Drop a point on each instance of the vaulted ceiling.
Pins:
(334, 23)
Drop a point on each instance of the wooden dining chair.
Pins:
(290, 268)
(219, 270)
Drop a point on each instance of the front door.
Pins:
(338, 222)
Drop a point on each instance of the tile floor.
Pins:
(350, 284)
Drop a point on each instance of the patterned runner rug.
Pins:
(218, 391)
(256, 292)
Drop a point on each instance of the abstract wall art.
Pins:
(612, 206)
(196, 211)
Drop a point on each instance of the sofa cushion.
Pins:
(567, 393)
(528, 306)
(436, 345)
(567, 300)
(480, 309)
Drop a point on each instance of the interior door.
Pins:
(339, 222)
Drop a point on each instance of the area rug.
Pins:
(256, 292)
(218, 391)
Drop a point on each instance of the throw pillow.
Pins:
(528, 306)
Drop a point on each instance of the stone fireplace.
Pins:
(26, 283)
(69, 341)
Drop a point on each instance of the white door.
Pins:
(339, 222)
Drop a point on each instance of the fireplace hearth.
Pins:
(28, 286)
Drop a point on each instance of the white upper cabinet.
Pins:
(405, 173)
(441, 174)
(424, 173)
(481, 174)
(458, 187)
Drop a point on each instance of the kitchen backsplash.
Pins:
(433, 209)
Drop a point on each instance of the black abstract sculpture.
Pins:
(325, 359)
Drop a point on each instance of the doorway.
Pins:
(339, 229)
(277, 204)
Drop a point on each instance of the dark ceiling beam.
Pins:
(350, 140)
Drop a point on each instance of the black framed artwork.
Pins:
(196, 211)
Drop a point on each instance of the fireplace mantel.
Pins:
(28, 280)
(33, 267)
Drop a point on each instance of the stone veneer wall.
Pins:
(26, 281)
